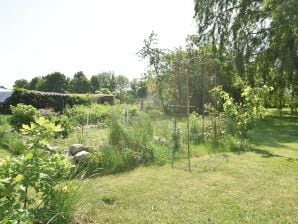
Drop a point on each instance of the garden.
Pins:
(207, 134)
(63, 167)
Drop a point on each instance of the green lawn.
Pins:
(258, 185)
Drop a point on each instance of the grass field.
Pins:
(256, 185)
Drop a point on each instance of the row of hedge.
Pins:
(44, 100)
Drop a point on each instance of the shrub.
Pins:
(38, 174)
(243, 114)
(195, 128)
(66, 123)
(22, 114)
(129, 146)
(92, 114)
(162, 154)
(44, 100)
(32, 186)
(137, 134)
(108, 160)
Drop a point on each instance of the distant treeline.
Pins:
(105, 82)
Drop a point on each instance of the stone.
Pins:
(50, 149)
(89, 149)
(69, 156)
(75, 148)
(80, 156)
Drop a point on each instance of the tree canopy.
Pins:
(261, 36)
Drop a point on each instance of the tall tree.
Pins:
(80, 83)
(105, 80)
(95, 84)
(21, 83)
(261, 35)
(55, 82)
(138, 88)
(36, 83)
(121, 82)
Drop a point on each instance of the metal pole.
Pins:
(203, 104)
(187, 108)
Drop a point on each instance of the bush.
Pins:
(39, 173)
(44, 100)
(162, 154)
(92, 114)
(195, 128)
(33, 187)
(129, 146)
(22, 114)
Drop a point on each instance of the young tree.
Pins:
(156, 65)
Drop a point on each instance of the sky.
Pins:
(40, 37)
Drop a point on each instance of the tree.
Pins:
(21, 83)
(104, 80)
(80, 83)
(121, 83)
(95, 83)
(35, 83)
(156, 65)
(260, 35)
(55, 82)
(138, 88)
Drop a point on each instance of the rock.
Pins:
(69, 156)
(89, 149)
(75, 148)
(50, 149)
(80, 156)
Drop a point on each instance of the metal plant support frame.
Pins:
(174, 106)
(188, 106)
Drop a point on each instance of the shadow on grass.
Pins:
(275, 131)
(263, 153)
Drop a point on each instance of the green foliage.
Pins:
(41, 100)
(195, 128)
(130, 145)
(66, 123)
(245, 113)
(39, 132)
(10, 139)
(137, 134)
(55, 82)
(258, 38)
(105, 80)
(22, 114)
(78, 99)
(38, 174)
(21, 83)
(80, 83)
(32, 187)
(93, 114)
(104, 91)
(155, 57)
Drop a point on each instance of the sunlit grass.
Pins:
(255, 185)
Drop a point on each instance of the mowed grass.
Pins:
(256, 185)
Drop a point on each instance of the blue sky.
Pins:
(38, 37)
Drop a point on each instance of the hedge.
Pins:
(39, 100)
